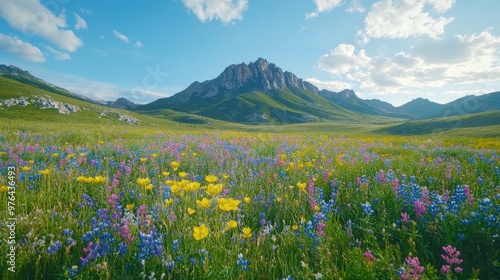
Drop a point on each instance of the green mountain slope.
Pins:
(485, 119)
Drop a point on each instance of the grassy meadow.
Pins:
(251, 202)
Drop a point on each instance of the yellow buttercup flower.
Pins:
(200, 232)
(191, 211)
(214, 190)
(143, 181)
(175, 188)
(295, 227)
(55, 155)
(246, 232)
(211, 178)
(247, 199)
(203, 203)
(232, 224)
(130, 206)
(149, 187)
(228, 204)
(81, 178)
(301, 186)
(316, 207)
(44, 172)
(168, 201)
(143, 160)
(165, 173)
(175, 165)
(182, 174)
(4, 189)
(26, 168)
(99, 179)
(154, 155)
(193, 186)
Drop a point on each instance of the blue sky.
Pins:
(393, 50)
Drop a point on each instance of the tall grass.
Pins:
(116, 204)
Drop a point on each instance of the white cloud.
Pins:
(34, 19)
(343, 59)
(121, 36)
(80, 22)
(323, 6)
(21, 49)
(139, 44)
(405, 18)
(355, 6)
(431, 64)
(330, 85)
(224, 10)
(57, 54)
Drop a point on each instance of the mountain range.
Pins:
(261, 92)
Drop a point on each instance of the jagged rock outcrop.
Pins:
(42, 102)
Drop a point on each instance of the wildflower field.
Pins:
(236, 205)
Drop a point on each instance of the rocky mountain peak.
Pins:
(260, 75)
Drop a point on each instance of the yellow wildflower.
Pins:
(214, 190)
(247, 199)
(165, 173)
(149, 187)
(44, 172)
(55, 155)
(99, 179)
(143, 159)
(168, 201)
(228, 204)
(175, 165)
(154, 155)
(191, 211)
(211, 178)
(81, 178)
(143, 181)
(246, 232)
(203, 203)
(4, 189)
(232, 224)
(193, 186)
(295, 227)
(317, 208)
(130, 207)
(26, 168)
(301, 186)
(175, 188)
(200, 232)
(183, 174)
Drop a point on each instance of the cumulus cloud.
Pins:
(432, 63)
(405, 18)
(121, 36)
(224, 10)
(34, 19)
(343, 59)
(21, 49)
(80, 22)
(323, 6)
